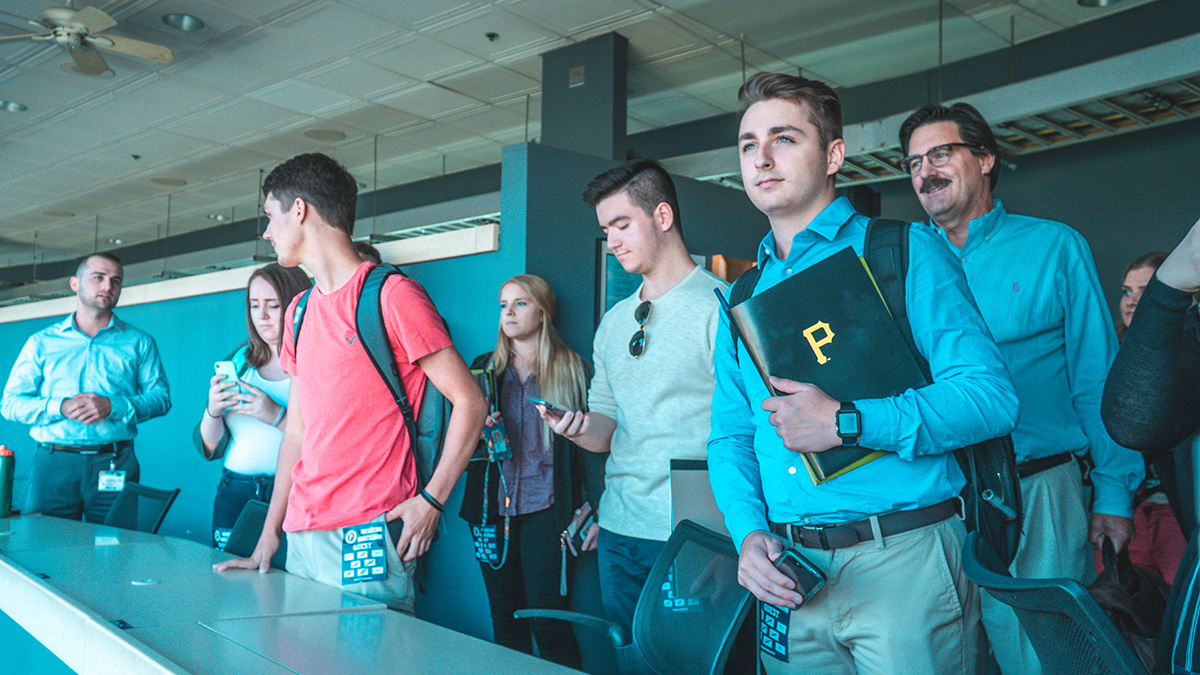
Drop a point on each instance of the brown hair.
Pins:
(1153, 260)
(818, 99)
(288, 282)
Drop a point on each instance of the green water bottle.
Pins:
(6, 480)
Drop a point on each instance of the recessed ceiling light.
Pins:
(327, 135)
(116, 240)
(58, 213)
(168, 182)
(184, 22)
(12, 106)
(220, 218)
(1097, 3)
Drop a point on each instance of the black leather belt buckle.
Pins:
(829, 538)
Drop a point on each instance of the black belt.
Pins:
(1029, 467)
(844, 535)
(98, 449)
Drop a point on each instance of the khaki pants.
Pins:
(1054, 544)
(902, 608)
(317, 555)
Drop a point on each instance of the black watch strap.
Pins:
(848, 423)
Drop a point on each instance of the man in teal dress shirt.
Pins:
(84, 384)
(1036, 286)
(895, 599)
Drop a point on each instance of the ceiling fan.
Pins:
(79, 32)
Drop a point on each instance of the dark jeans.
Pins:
(234, 490)
(625, 563)
(67, 484)
(530, 578)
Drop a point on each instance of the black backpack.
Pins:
(427, 427)
(989, 466)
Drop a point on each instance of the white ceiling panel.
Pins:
(301, 97)
(422, 58)
(492, 119)
(568, 17)
(375, 119)
(275, 47)
(175, 92)
(223, 73)
(492, 84)
(416, 14)
(653, 37)
(341, 27)
(357, 78)
(513, 34)
(429, 101)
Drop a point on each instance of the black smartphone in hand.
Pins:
(807, 577)
(549, 406)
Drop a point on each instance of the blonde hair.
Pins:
(560, 371)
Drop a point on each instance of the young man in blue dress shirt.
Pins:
(84, 384)
(896, 599)
(1036, 286)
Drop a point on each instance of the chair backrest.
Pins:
(243, 538)
(140, 508)
(1069, 631)
(692, 605)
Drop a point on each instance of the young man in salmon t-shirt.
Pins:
(346, 472)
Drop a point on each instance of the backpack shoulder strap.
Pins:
(886, 251)
(373, 335)
(298, 317)
(739, 292)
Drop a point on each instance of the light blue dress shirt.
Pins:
(754, 477)
(60, 361)
(1036, 286)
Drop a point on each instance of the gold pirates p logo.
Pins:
(815, 343)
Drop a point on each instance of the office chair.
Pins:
(688, 613)
(243, 538)
(1069, 631)
(140, 508)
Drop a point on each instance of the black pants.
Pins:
(67, 484)
(234, 490)
(530, 578)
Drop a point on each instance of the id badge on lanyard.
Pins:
(364, 553)
(112, 480)
(773, 630)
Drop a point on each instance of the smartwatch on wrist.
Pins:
(848, 423)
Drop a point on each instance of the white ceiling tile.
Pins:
(261, 115)
(301, 97)
(488, 120)
(652, 36)
(415, 14)
(430, 101)
(469, 33)
(222, 72)
(491, 83)
(357, 78)
(132, 109)
(422, 58)
(275, 48)
(175, 92)
(572, 16)
(342, 26)
(375, 119)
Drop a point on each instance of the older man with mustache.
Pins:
(1036, 286)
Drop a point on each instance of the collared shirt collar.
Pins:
(67, 325)
(979, 229)
(827, 224)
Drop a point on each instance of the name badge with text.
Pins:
(364, 553)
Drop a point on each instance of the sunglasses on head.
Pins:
(637, 343)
